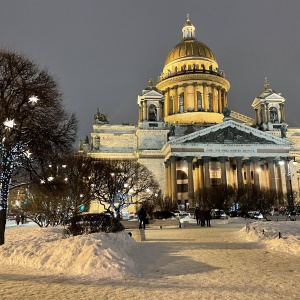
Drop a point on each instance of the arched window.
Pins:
(181, 175)
(181, 102)
(152, 113)
(273, 115)
(199, 101)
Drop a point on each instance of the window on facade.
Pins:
(152, 112)
(181, 103)
(210, 102)
(171, 106)
(273, 115)
(181, 175)
(199, 101)
(182, 188)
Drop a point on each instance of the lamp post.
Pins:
(290, 194)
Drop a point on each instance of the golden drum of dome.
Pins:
(189, 48)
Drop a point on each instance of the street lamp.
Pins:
(289, 176)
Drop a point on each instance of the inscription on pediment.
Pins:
(230, 135)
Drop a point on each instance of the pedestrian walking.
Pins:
(18, 219)
(197, 215)
(202, 217)
(207, 217)
(142, 218)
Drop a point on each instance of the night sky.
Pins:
(103, 53)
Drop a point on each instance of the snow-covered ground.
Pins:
(228, 261)
(110, 255)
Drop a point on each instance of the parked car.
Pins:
(185, 215)
(177, 212)
(223, 215)
(259, 216)
(163, 215)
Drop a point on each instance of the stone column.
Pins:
(190, 177)
(174, 195)
(262, 107)
(176, 100)
(144, 111)
(141, 112)
(213, 98)
(201, 173)
(219, 100)
(205, 101)
(167, 180)
(196, 176)
(287, 178)
(279, 179)
(256, 116)
(222, 161)
(255, 173)
(225, 99)
(267, 112)
(206, 160)
(282, 114)
(239, 174)
(271, 173)
(248, 172)
(195, 96)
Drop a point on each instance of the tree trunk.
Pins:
(2, 225)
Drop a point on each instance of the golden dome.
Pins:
(189, 48)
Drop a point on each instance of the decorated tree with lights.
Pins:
(35, 127)
(62, 191)
(118, 184)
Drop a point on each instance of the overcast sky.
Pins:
(105, 52)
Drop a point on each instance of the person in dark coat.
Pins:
(202, 217)
(207, 217)
(197, 215)
(142, 218)
(18, 219)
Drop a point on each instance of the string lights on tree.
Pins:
(34, 125)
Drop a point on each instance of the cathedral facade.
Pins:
(189, 138)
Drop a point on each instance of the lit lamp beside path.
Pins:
(290, 193)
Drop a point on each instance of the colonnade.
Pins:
(262, 114)
(144, 111)
(236, 171)
(212, 97)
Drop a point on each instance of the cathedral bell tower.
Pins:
(269, 109)
(151, 108)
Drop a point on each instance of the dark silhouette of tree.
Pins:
(35, 127)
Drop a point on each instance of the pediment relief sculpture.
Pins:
(230, 135)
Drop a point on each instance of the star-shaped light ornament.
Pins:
(33, 100)
(9, 123)
(27, 154)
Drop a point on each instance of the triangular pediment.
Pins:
(230, 132)
(152, 93)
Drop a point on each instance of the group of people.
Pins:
(20, 218)
(202, 216)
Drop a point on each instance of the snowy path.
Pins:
(186, 263)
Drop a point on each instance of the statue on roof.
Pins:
(226, 112)
(283, 130)
(101, 117)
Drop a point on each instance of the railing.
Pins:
(245, 119)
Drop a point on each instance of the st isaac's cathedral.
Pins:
(188, 136)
